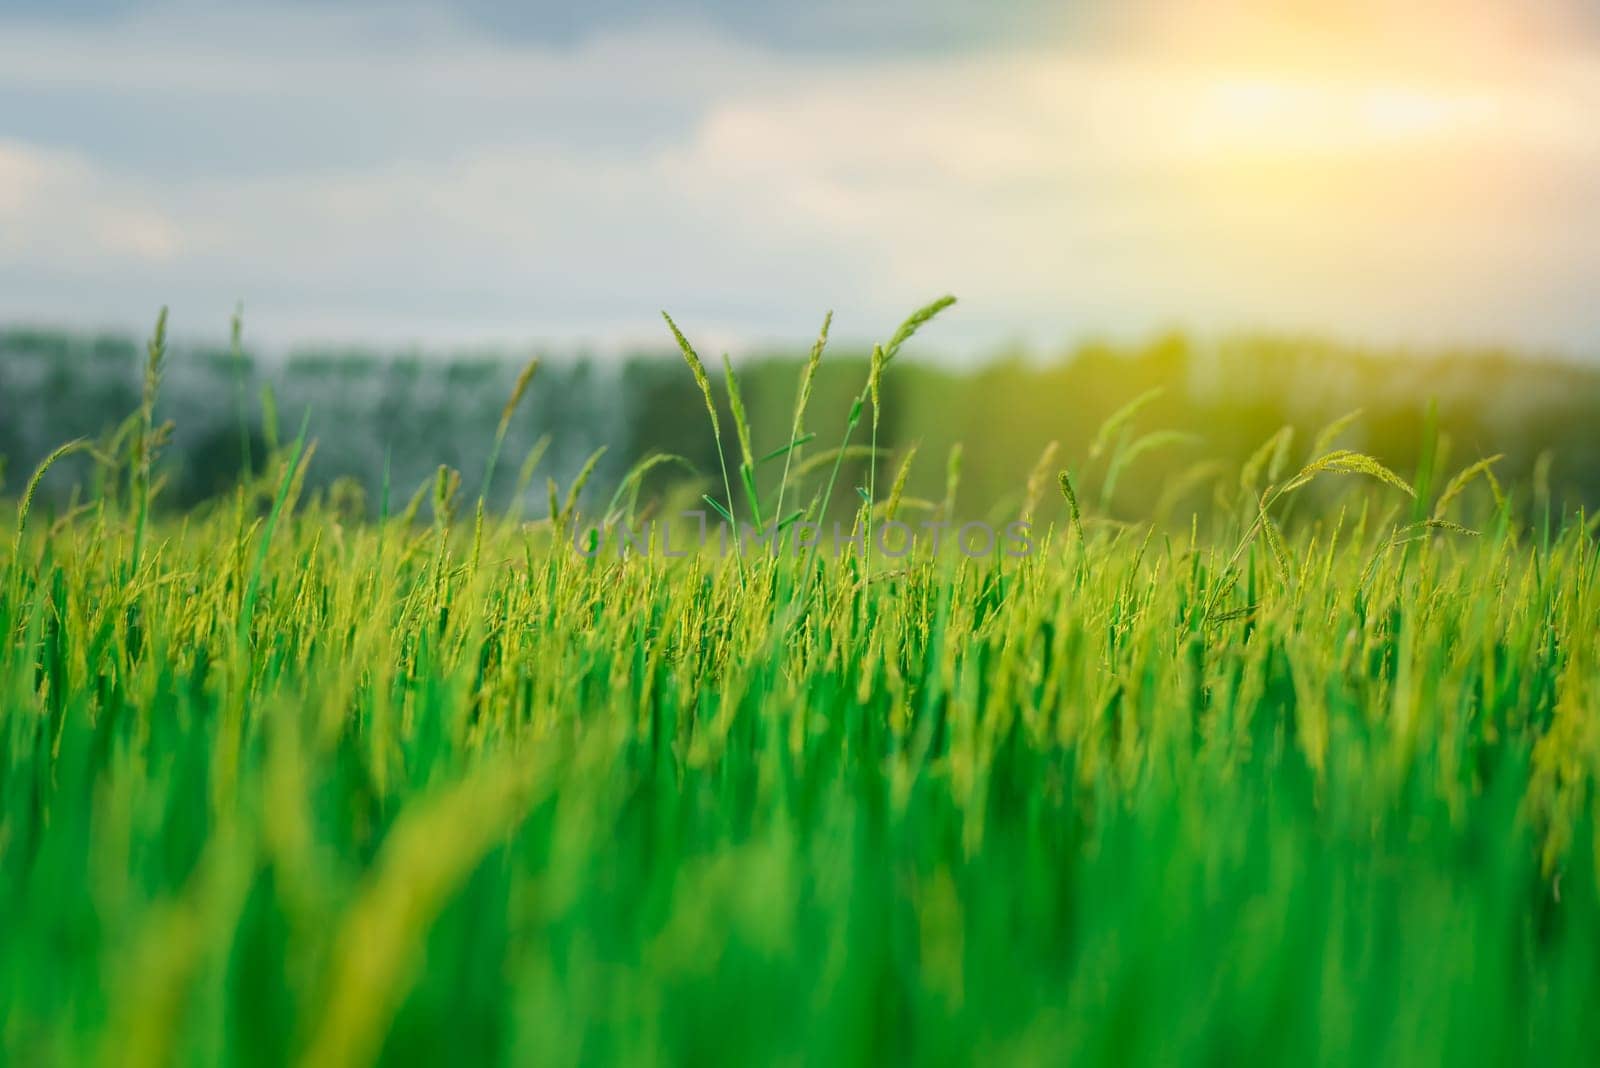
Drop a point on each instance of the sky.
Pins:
(499, 172)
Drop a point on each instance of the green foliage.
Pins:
(1312, 785)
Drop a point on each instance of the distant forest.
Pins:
(407, 415)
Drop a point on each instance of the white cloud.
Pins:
(58, 210)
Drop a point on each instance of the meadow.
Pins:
(1304, 775)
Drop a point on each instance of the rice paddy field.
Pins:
(1305, 778)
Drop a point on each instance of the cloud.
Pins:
(55, 209)
(405, 176)
(817, 27)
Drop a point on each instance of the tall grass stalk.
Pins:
(145, 442)
(698, 370)
(802, 400)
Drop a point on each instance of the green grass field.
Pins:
(1308, 779)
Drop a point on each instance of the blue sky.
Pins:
(558, 172)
